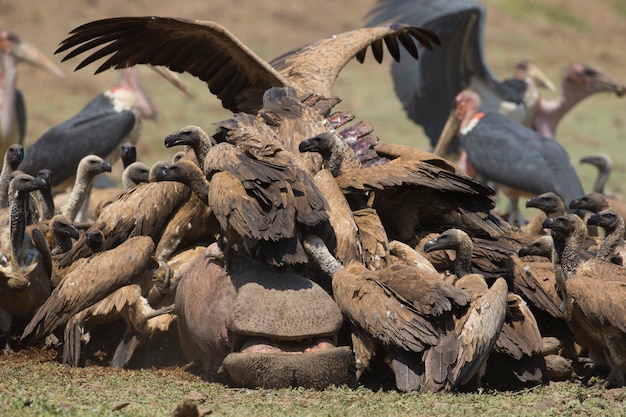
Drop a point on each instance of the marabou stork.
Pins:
(516, 158)
(234, 73)
(427, 88)
(110, 119)
(12, 108)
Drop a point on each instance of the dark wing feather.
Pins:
(314, 67)
(427, 87)
(204, 49)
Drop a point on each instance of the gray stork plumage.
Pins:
(511, 155)
(427, 87)
(12, 107)
(108, 120)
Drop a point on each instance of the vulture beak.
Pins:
(448, 133)
(171, 76)
(431, 245)
(28, 53)
(598, 82)
(538, 76)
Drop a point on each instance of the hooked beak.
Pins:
(598, 82)
(448, 133)
(170, 76)
(538, 76)
(28, 53)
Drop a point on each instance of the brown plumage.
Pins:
(594, 298)
(126, 303)
(194, 221)
(232, 71)
(612, 247)
(101, 274)
(259, 191)
(24, 265)
(520, 339)
(412, 191)
(405, 311)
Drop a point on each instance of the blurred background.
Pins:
(553, 34)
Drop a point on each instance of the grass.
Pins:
(97, 391)
(553, 35)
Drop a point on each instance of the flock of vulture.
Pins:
(291, 233)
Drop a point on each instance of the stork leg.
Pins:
(514, 214)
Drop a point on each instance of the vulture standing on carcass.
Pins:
(12, 108)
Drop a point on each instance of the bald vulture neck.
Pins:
(612, 239)
(18, 208)
(321, 256)
(45, 203)
(463, 262)
(5, 180)
(603, 177)
(79, 195)
(194, 178)
(567, 250)
(340, 158)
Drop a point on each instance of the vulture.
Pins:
(406, 312)
(594, 293)
(234, 73)
(91, 281)
(24, 271)
(519, 340)
(12, 158)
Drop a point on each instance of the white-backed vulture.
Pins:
(24, 279)
(595, 202)
(232, 71)
(405, 311)
(78, 200)
(594, 292)
(520, 340)
(612, 247)
(412, 191)
(91, 281)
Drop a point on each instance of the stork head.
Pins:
(582, 80)
(466, 106)
(528, 70)
(11, 44)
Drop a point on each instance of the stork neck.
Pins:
(9, 80)
(129, 80)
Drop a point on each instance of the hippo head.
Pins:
(261, 327)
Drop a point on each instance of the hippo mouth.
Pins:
(289, 340)
(313, 363)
